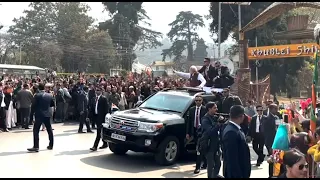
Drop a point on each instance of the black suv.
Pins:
(157, 125)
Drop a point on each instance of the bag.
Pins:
(281, 140)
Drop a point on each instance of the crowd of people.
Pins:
(87, 99)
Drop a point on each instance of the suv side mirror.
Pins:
(138, 104)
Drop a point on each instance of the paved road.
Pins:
(71, 158)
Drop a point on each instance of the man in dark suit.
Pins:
(83, 104)
(222, 78)
(228, 101)
(236, 152)
(209, 141)
(256, 133)
(42, 103)
(101, 108)
(3, 125)
(193, 122)
(269, 129)
(208, 71)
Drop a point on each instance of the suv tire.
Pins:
(168, 151)
(118, 149)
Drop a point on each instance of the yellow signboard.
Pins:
(282, 51)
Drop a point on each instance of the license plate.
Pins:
(118, 137)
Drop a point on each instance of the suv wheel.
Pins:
(168, 151)
(118, 149)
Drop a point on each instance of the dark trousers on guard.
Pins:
(3, 124)
(257, 145)
(83, 120)
(213, 164)
(36, 128)
(98, 137)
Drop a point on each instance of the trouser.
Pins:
(270, 164)
(213, 164)
(83, 120)
(98, 137)
(65, 111)
(59, 115)
(31, 115)
(257, 145)
(200, 158)
(25, 116)
(3, 118)
(36, 129)
(20, 120)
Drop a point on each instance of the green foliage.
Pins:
(60, 35)
(125, 31)
(283, 71)
(183, 34)
(201, 50)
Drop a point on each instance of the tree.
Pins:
(283, 71)
(61, 34)
(125, 31)
(201, 50)
(183, 33)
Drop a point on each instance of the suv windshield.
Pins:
(166, 102)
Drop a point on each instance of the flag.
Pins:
(314, 94)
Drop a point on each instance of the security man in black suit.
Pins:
(193, 122)
(222, 78)
(256, 133)
(228, 101)
(210, 142)
(101, 109)
(208, 71)
(236, 152)
(42, 103)
(83, 105)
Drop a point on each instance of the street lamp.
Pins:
(239, 14)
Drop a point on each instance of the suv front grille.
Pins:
(124, 124)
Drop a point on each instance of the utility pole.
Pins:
(20, 52)
(219, 30)
(257, 75)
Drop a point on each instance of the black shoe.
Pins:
(90, 131)
(93, 127)
(204, 167)
(258, 164)
(33, 149)
(104, 146)
(49, 147)
(196, 171)
(81, 132)
(26, 128)
(93, 149)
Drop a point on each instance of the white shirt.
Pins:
(96, 109)
(258, 123)
(2, 101)
(187, 76)
(195, 117)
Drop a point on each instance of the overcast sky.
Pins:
(161, 14)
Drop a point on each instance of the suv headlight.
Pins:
(149, 127)
(107, 120)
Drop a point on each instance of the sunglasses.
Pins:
(301, 166)
(259, 110)
(198, 100)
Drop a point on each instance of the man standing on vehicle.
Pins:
(209, 142)
(209, 72)
(193, 122)
(196, 79)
